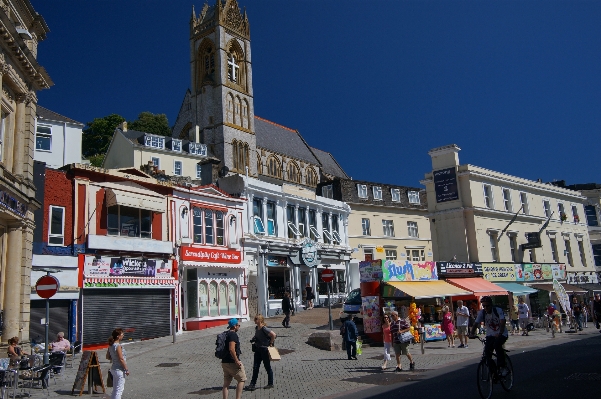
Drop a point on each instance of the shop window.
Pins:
(340, 285)
(208, 227)
(197, 222)
(43, 138)
(213, 299)
(278, 281)
(271, 219)
(56, 230)
(203, 299)
(219, 230)
(129, 222)
(223, 299)
(232, 295)
(391, 254)
(192, 292)
(365, 227)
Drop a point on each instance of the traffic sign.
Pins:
(327, 275)
(47, 286)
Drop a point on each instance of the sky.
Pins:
(515, 84)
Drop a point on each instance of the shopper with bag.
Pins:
(263, 339)
(118, 370)
(349, 336)
(401, 338)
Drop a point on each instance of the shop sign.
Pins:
(126, 267)
(582, 278)
(380, 249)
(445, 185)
(499, 272)
(211, 255)
(370, 270)
(309, 253)
(371, 314)
(457, 269)
(527, 272)
(276, 261)
(13, 204)
(409, 271)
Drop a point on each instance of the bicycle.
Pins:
(486, 380)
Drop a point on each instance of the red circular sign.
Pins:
(327, 275)
(47, 286)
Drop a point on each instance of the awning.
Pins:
(591, 287)
(427, 289)
(478, 286)
(570, 289)
(134, 200)
(517, 289)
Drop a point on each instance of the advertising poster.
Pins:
(539, 272)
(434, 332)
(126, 267)
(370, 270)
(499, 272)
(371, 314)
(445, 185)
(409, 271)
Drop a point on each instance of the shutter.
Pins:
(58, 321)
(141, 313)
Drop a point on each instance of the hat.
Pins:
(232, 323)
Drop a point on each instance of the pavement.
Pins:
(188, 368)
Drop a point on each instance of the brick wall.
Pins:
(58, 191)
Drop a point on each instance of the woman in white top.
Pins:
(119, 366)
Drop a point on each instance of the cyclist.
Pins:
(496, 334)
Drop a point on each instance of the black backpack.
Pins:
(220, 349)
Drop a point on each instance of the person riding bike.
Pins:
(496, 333)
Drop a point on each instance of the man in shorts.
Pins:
(231, 364)
(463, 319)
(524, 315)
(397, 327)
(496, 333)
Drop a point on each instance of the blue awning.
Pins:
(517, 289)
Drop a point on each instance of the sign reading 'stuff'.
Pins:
(409, 271)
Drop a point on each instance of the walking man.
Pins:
(286, 308)
(398, 327)
(524, 315)
(463, 319)
(597, 311)
(349, 335)
(231, 364)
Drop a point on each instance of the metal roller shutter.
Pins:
(58, 322)
(142, 313)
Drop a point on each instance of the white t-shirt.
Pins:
(523, 310)
(492, 322)
(462, 321)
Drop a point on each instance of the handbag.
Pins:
(274, 354)
(109, 380)
(253, 347)
(405, 337)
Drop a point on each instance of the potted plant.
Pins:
(563, 216)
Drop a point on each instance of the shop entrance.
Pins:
(278, 281)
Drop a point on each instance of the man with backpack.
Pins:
(496, 333)
(228, 350)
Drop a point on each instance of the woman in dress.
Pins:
(264, 338)
(387, 340)
(310, 296)
(119, 370)
(447, 326)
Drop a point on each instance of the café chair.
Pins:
(57, 363)
(42, 377)
(72, 352)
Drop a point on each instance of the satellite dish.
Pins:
(224, 171)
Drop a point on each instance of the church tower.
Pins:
(221, 98)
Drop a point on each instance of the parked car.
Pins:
(352, 306)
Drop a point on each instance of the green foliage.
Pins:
(98, 134)
(97, 160)
(151, 123)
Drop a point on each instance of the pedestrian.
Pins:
(597, 311)
(231, 363)
(447, 326)
(577, 313)
(286, 308)
(524, 315)
(310, 296)
(349, 335)
(584, 309)
(387, 340)
(398, 327)
(264, 338)
(463, 318)
(117, 355)
(514, 318)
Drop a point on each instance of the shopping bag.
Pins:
(274, 354)
(109, 380)
(359, 346)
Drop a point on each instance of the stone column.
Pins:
(29, 135)
(12, 284)
(7, 139)
(20, 136)
(25, 299)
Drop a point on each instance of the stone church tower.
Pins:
(218, 110)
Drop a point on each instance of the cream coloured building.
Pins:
(472, 211)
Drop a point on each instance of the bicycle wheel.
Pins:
(484, 381)
(507, 381)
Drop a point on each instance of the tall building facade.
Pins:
(21, 28)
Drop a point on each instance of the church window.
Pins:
(293, 173)
(229, 117)
(245, 115)
(240, 155)
(259, 164)
(233, 69)
(237, 106)
(311, 177)
(274, 168)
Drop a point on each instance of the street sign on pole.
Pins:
(327, 275)
(47, 286)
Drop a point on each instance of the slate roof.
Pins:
(136, 137)
(46, 114)
(329, 164)
(282, 140)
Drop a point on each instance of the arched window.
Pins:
(245, 123)
(222, 298)
(232, 295)
(274, 168)
(293, 172)
(197, 223)
(237, 110)
(233, 69)
(240, 155)
(213, 299)
(205, 64)
(311, 177)
(203, 299)
(229, 108)
(236, 72)
(259, 164)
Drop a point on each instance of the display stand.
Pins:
(88, 367)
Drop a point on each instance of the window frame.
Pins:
(554, 253)
(568, 252)
(524, 202)
(272, 220)
(197, 149)
(395, 194)
(488, 198)
(366, 226)
(181, 168)
(55, 235)
(3, 117)
(391, 254)
(154, 141)
(140, 218)
(176, 143)
(592, 219)
(362, 189)
(415, 195)
(575, 215)
(412, 227)
(327, 191)
(388, 226)
(377, 193)
(44, 135)
(582, 253)
(546, 207)
(157, 164)
(198, 171)
(494, 247)
(507, 202)
(513, 248)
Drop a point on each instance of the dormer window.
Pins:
(154, 141)
(176, 145)
(377, 193)
(413, 197)
(327, 191)
(362, 190)
(198, 149)
(396, 194)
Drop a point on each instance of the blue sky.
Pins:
(516, 85)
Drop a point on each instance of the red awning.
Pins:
(478, 286)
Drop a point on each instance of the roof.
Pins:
(282, 140)
(46, 114)
(329, 164)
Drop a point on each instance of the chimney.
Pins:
(209, 171)
(123, 126)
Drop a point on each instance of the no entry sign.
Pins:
(327, 275)
(47, 286)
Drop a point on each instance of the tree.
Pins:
(151, 123)
(97, 136)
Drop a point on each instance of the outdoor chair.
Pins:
(42, 377)
(72, 352)
(57, 363)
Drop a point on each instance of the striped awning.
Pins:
(128, 281)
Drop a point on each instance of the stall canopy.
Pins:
(517, 289)
(428, 289)
(591, 287)
(570, 289)
(478, 286)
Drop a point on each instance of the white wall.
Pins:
(65, 145)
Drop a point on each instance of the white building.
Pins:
(57, 139)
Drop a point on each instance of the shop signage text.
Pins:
(582, 278)
(445, 185)
(211, 255)
(409, 271)
(276, 261)
(370, 270)
(126, 267)
(524, 271)
(457, 269)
